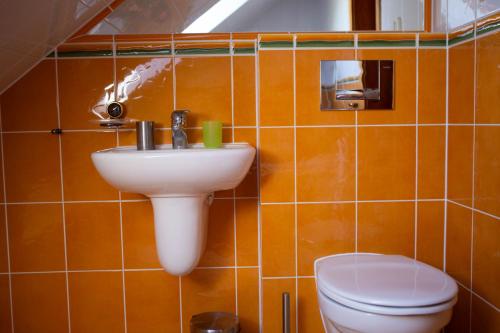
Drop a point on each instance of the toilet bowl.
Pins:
(372, 293)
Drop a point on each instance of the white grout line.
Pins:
(174, 94)
(445, 210)
(101, 130)
(478, 296)
(356, 164)
(417, 59)
(7, 245)
(295, 196)
(348, 201)
(257, 157)
(61, 175)
(120, 206)
(174, 78)
(474, 104)
(295, 277)
(124, 293)
(474, 209)
(231, 51)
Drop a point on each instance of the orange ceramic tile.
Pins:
(461, 83)
(271, 304)
(458, 243)
(245, 35)
(80, 92)
(278, 240)
(39, 303)
(36, 237)
(206, 290)
(485, 261)
(404, 87)
(325, 164)
(34, 176)
(488, 79)
(96, 302)
(322, 36)
(30, 104)
(276, 165)
(430, 232)
(276, 87)
(308, 91)
(203, 85)
(248, 299)
(220, 235)
(484, 318)
(460, 141)
(248, 187)
(145, 86)
(323, 229)
(4, 260)
(247, 232)
(77, 166)
(139, 245)
(152, 302)
(386, 163)
(5, 322)
(487, 172)
(460, 320)
(386, 227)
(93, 237)
(244, 90)
(308, 308)
(431, 86)
(386, 36)
(431, 161)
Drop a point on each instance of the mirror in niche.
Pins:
(212, 16)
(356, 85)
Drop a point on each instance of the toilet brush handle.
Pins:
(285, 297)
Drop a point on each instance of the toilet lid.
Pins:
(384, 280)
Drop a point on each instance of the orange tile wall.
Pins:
(77, 254)
(473, 178)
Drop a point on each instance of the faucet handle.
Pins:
(178, 117)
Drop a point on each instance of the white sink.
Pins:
(179, 183)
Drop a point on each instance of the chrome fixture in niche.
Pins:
(357, 85)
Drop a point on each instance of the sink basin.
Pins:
(179, 184)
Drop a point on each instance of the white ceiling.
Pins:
(30, 29)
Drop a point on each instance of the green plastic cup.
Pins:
(212, 134)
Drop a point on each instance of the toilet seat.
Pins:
(385, 284)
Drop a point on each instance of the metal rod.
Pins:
(285, 297)
(145, 135)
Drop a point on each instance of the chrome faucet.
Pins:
(179, 136)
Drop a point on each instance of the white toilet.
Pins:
(372, 293)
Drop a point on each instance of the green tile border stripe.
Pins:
(433, 42)
(200, 51)
(276, 44)
(467, 35)
(85, 53)
(488, 27)
(144, 52)
(387, 43)
(244, 50)
(325, 43)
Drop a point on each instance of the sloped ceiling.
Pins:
(30, 29)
